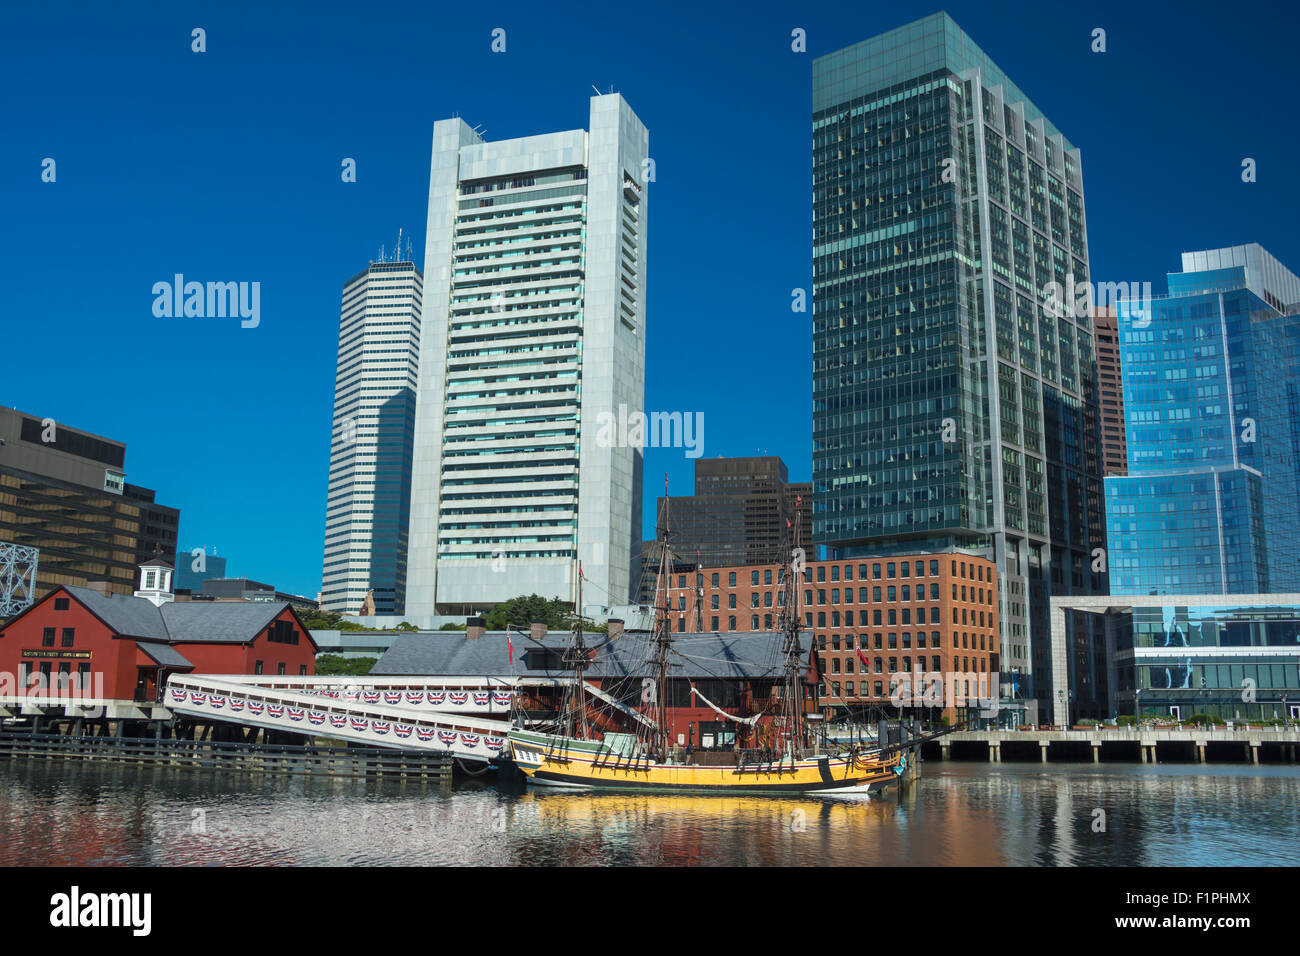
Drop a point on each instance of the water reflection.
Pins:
(957, 815)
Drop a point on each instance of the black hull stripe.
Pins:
(872, 784)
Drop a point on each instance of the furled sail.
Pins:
(748, 721)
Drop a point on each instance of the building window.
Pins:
(60, 604)
(715, 579)
(68, 634)
(731, 581)
(753, 577)
(731, 623)
(713, 602)
(731, 600)
(83, 676)
(257, 667)
(302, 670)
(715, 624)
(283, 632)
(47, 637)
(279, 668)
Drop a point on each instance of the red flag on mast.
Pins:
(510, 647)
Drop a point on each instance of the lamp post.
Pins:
(1137, 705)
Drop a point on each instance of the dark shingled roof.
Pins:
(217, 622)
(165, 655)
(128, 616)
(737, 654)
(198, 622)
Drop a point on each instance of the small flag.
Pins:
(510, 648)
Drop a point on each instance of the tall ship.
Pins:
(617, 736)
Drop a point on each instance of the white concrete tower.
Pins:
(535, 327)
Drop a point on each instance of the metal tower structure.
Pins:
(17, 578)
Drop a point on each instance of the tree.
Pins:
(336, 665)
(522, 611)
(328, 621)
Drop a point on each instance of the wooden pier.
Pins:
(230, 756)
(1252, 745)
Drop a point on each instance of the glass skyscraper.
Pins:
(1211, 503)
(954, 405)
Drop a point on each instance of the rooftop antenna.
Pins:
(397, 255)
(598, 92)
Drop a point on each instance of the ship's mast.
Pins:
(663, 634)
(699, 593)
(791, 625)
(578, 661)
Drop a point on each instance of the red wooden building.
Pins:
(87, 643)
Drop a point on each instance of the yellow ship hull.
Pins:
(563, 762)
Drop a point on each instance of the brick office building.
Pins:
(881, 625)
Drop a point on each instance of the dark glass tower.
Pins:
(955, 399)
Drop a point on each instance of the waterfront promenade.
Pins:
(1243, 744)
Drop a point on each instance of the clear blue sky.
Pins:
(225, 166)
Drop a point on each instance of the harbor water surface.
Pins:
(68, 812)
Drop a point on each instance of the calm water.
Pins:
(958, 813)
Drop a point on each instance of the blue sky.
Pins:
(225, 166)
